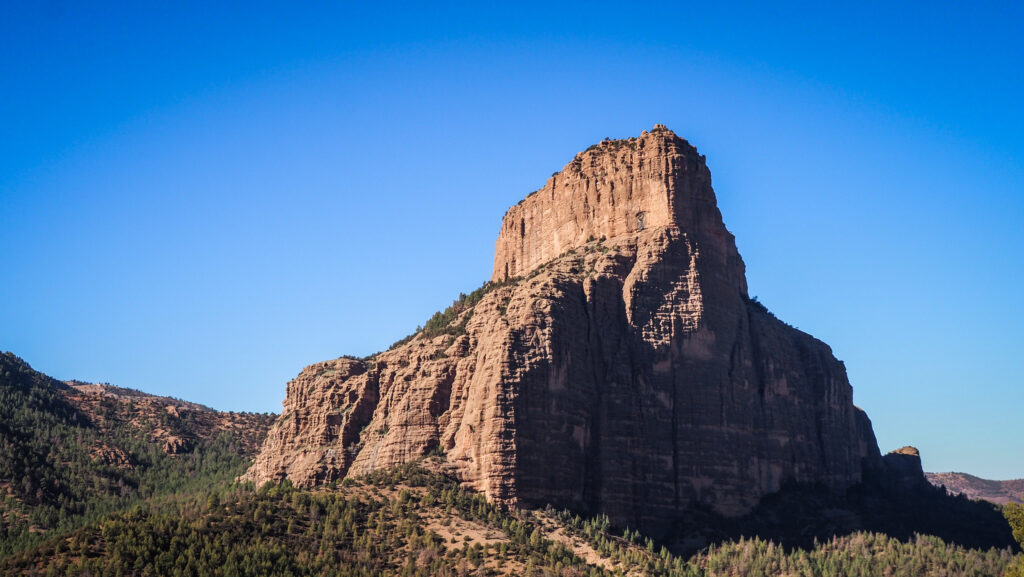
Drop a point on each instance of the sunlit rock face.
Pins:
(616, 365)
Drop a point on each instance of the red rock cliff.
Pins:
(615, 365)
(616, 189)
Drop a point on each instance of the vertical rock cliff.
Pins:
(614, 364)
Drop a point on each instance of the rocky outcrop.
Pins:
(615, 364)
(177, 426)
(111, 456)
(904, 468)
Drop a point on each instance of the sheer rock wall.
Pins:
(617, 365)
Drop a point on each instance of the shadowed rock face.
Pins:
(904, 467)
(617, 365)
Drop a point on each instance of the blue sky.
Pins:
(198, 201)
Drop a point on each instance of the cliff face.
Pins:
(614, 189)
(615, 365)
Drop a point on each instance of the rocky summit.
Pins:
(613, 364)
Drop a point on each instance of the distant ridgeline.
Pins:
(1000, 492)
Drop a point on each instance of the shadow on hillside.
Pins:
(796, 517)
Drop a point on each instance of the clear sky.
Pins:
(198, 201)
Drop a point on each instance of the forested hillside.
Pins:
(412, 522)
(70, 453)
(99, 480)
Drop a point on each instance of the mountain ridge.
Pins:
(974, 487)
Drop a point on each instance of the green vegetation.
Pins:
(861, 553)
(615, 144)
(759, 307)
(1014, 513)
(408, 521)
(453, 320)
(277, 530)
(61, 467)
(444, 322)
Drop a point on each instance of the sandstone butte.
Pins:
(615, 364)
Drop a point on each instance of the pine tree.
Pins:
(1014, 513)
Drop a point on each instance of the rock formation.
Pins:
(615, 364)
(177, 426)
(904, 466)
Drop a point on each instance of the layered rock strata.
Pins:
(616, 364)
